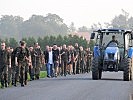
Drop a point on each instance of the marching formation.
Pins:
(16, 63)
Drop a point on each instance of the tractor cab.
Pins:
(111, 49)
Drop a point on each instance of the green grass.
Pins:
(43, 74)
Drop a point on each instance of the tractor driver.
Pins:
(113, 40)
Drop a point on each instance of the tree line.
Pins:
(36, 26)
(52, 24)
(50, 40)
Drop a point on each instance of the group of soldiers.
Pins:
(68, 60)
(15, 64)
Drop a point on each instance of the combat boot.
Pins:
(6, 84)
(22, 85)
(15, 83)
(26, 82)
(37, 77)
(2, 85)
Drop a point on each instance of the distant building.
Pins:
(85, 35)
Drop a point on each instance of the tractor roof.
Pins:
(110, 31)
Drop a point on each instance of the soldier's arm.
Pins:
(9, 60)
(16, 56)
(16, 61)
(29, 56)
(29, 59)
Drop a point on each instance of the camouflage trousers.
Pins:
(20, 72)
(9, 75)
(36, 69)
(3, 74)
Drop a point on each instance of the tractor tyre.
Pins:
(127, 74)
(95, 70)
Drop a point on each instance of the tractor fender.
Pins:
(96, 51)
(130, 52)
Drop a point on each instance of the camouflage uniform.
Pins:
(88, 62)
(38, 62)
(82, 61)
(77, 60)
(4, 57)
(32, 68)
(13, 66)
(22, 54)
(70, 60)
(64, 61)
(9, 68)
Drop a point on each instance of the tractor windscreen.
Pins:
(108, 37)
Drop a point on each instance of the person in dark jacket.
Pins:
(56, 61)
(64, 59)
(49, 60)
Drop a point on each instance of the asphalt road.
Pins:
(74, 87)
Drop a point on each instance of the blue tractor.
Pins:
(112, 55)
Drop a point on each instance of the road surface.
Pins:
(74, 87)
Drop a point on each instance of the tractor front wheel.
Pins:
(127, 74)
(95, 70)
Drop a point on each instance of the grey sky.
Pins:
(81, 12)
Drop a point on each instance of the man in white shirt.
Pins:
(49, 60)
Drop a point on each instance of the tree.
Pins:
(91, 44)
(55, 24)
(52, 40)
(13, 43)
(35, 26)
(31, 41)
(83, 29)
(10, 25)
(59, 40)
(130, 23)
(121, 21)
(72, 28)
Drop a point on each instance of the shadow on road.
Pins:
(59, 79)
(111, 79)
(73, 78)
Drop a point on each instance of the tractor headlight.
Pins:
(106, 56)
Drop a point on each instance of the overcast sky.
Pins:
(81, 12)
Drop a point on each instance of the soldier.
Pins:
(32, 67)
(56, 60)
(77, 59)
(13, 67)
(39, 60)
(9, 68)
(70, 59)
(59, 68)
(44, 53)
(82, 60)
(64, 59)
(88, 60)
(22, 56)
(5, 61)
